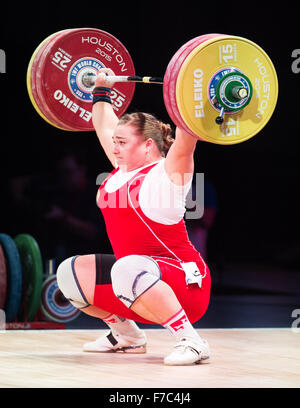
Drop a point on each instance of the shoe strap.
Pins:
(184, 343)
(111, 339)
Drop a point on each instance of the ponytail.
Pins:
(166, 136)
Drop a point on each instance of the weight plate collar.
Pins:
(220, 86)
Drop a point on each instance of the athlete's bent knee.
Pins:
(68, 284)
(133, 275)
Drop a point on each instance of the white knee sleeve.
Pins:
(68, 284)
(132, 275)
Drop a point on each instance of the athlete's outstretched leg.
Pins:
(76, 279)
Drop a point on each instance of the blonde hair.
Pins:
(150, 127)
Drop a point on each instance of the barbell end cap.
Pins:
(219, 120)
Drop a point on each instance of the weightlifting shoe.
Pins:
(188, 351)
(114, 342)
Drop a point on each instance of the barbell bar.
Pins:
(123, 78)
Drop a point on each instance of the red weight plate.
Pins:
(170, 82)
(170, 78)
(37, 81)
(172, 72)
(67, 63)
(31, 82)
(3, 278)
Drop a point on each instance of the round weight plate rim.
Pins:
(263, 123)
(170, 88)
(28, 244)
(28, 81)
(48, 112)
(180, 72)
(3, 280)
(125, 53)
(14, 276)
(50, 280)
(35, 66)
(35, 79)
(170, 77)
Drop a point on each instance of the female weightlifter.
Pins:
(155, 276)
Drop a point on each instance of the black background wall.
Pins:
(257, 181)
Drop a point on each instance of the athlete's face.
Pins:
(130, 149)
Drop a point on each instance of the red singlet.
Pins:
(131, 232)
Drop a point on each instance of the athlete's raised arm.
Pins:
(179, 163)
(104, 118)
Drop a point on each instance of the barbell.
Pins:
(220, 88)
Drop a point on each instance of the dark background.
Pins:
(254, 243)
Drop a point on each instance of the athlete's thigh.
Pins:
(192, 298)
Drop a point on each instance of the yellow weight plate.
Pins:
(192, 89)
(28, 81)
